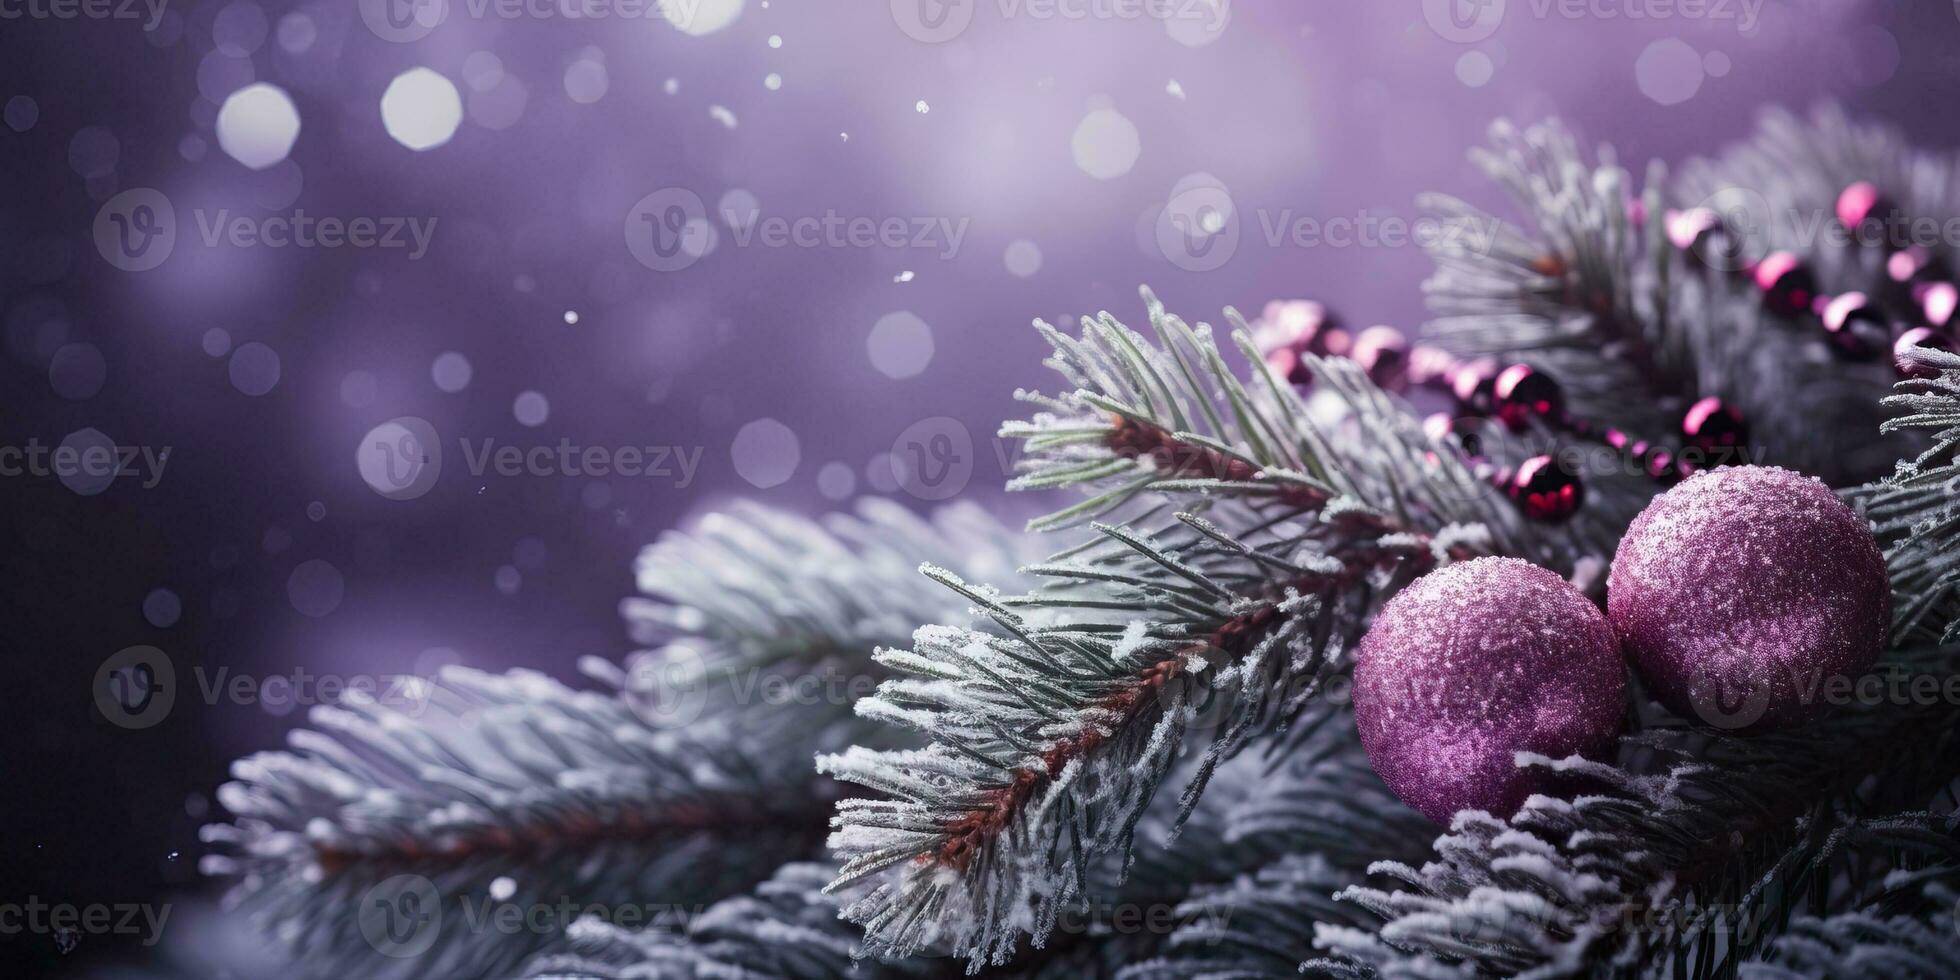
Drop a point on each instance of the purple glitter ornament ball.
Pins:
(1741, 593)
(1474, 663)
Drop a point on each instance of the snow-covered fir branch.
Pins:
(1169, 416)
(1611, 286)
(789, 927)
(1727, 825)
(687, 777)
(1047, 738)
(1917, 510)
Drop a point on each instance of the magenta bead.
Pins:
(1918, 337)
(1545, 491)
(1937, 301)
(1856, 329)
(1384, 354)
(1786, 283)
(1522, 393)
(1712, 426)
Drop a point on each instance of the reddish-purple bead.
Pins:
(1713, 427)
(1786, 283)
(1861, 209)
(1546, 491)
(1522, 393)
(1474, 385)
(1918, 337)
(1856, 328)
(1937, 301)
(1384, 354)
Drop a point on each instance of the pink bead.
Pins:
(1857, 203)
(1384, 353)
(1937, 301)
(1785, 282)
(1918, 337)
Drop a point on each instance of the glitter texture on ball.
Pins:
(1736, 592)
(1471, 665)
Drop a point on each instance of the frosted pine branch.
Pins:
(1725, 825)
(1592, 290)
(1047, 740)
(1917, 510)
(680, 783)
(1149, 418)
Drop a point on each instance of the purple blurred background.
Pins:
(1038, 147)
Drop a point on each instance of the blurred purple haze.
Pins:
(1299, 110)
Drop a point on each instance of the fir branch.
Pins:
(1916, 511)
(789, 928)
(498, 791)
(1170, 417)
(1047, 740)
(1725, 826)
(1592, 291)
(682, 783)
